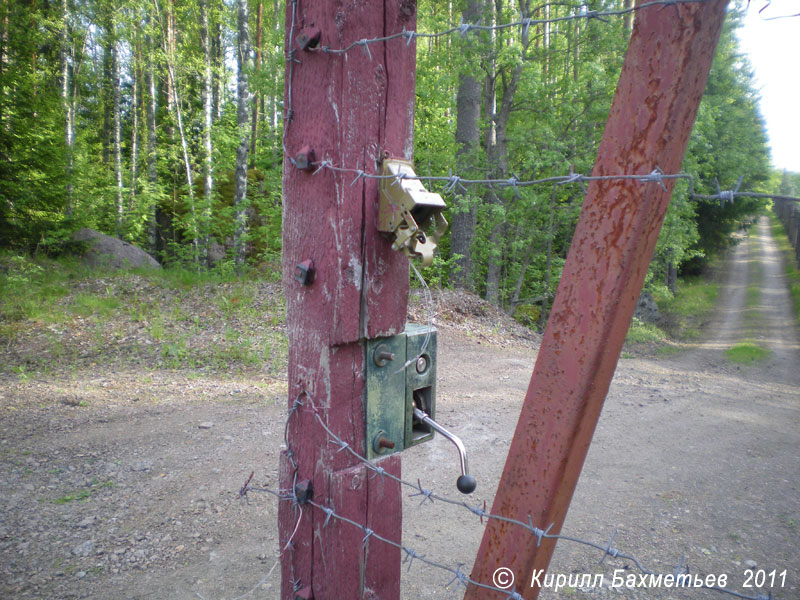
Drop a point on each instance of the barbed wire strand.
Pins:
(463, 29)
(765, 7)
(430, 495)
(455, 182)
(288, 111)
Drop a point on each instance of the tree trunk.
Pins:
(115, 83)
(497, 151)
(257, 95)
(169, 50)
(136, 107)
(187, 163)
(549, 261)
(628, 4)
(218, 55)
(468, 135)
(152, 147)
(107, 86)
(512, 305)
(3, 59)
(174, 102)
(208, 159)
(242, 117)
(66, 98)
(672, 276)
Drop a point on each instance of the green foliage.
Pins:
(747, 353)
(685, 312)
(32, 173)
(528, 315)
(728, 142)
(643, 333)
(559, 109)
(790, 264)
(557, 80)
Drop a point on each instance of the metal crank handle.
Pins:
(466, 484)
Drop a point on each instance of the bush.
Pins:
(528, 315)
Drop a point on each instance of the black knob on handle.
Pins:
(466, 484)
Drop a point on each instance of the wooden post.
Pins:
(655, 105)
(348, 110)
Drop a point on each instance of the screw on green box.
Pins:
(420, 381)
(391, 390)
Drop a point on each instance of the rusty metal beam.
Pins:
(654, 109)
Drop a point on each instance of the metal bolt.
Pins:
(309, 38)
(303, 491)
(422, 364)
(382, 356)
(305, 158)
(304, 272)
(304, 594)
(380, 443)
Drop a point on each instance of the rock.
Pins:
(88, 521)
(84, 548)
(750, 564)
(647, 309)
(142, 465)
(206, 425)
(105, 251)
(216, 253)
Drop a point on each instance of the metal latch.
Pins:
(401, 396)
(408, 211)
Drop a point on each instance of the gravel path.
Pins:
(125, 484)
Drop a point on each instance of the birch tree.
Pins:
(208, 148)
(67, 103)
(243, 122)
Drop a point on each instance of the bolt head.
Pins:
(422, 364)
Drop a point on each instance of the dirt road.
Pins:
(125, 484)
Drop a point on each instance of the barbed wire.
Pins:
(304, 401)
(452, 184)
(464, 29)
(455, 182)
(766, 6)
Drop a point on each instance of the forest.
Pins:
(160, 122)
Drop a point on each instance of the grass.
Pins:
(747, 353)
(644, 333)
(84, 493)
(683, 315)
(57, 316)
(790, 262)
(688, 310)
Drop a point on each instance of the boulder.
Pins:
(647, 309)
(216, 253)
(111, 253)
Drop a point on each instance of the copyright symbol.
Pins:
(503, 578)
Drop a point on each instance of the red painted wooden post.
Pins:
(348, 110)
(654, 108)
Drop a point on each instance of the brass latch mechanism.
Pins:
(409, 212)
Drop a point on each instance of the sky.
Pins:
(773, 47)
